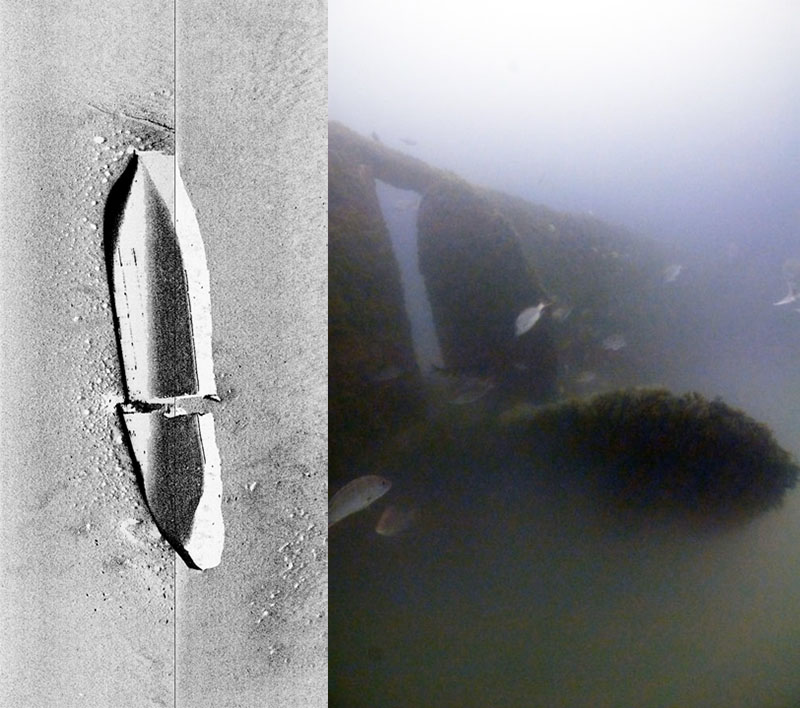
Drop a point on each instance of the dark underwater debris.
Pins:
(651, 449)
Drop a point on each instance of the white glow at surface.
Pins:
(593, 96)
(578, 54)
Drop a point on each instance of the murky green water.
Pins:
(513, 591)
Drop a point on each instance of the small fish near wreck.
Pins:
(671, 272)
(791, 273)
(793, 296)
(614, 342)
(528, 318)
(356, 495)
(395, 520)
(471, 390)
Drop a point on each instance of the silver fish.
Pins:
(614, 342)
(472, 390)
(793, 296)
(356, 495)
(528, 317)
(671, 272)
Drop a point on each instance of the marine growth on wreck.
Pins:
(649, 448)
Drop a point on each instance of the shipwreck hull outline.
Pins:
(161, 304)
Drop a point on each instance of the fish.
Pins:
(793, 296)
(472, 390)
(528, 318)
(585, 377)
(671, 272)
(408, 141)
(562, 312)
(356, 495)
(614, 342)
(395, 520)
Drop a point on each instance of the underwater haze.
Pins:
(657, 151)
(680, 119)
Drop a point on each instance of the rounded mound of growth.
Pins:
(650, 448)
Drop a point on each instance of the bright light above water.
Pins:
(593, 96)
(620, 58)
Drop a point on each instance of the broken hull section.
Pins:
(180, 470)
(159, 283)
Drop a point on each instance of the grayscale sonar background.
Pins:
(94, 609)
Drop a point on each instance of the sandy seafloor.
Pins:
(95, 611)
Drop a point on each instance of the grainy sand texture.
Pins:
(95, 608)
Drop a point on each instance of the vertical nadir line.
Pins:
(175, 227)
